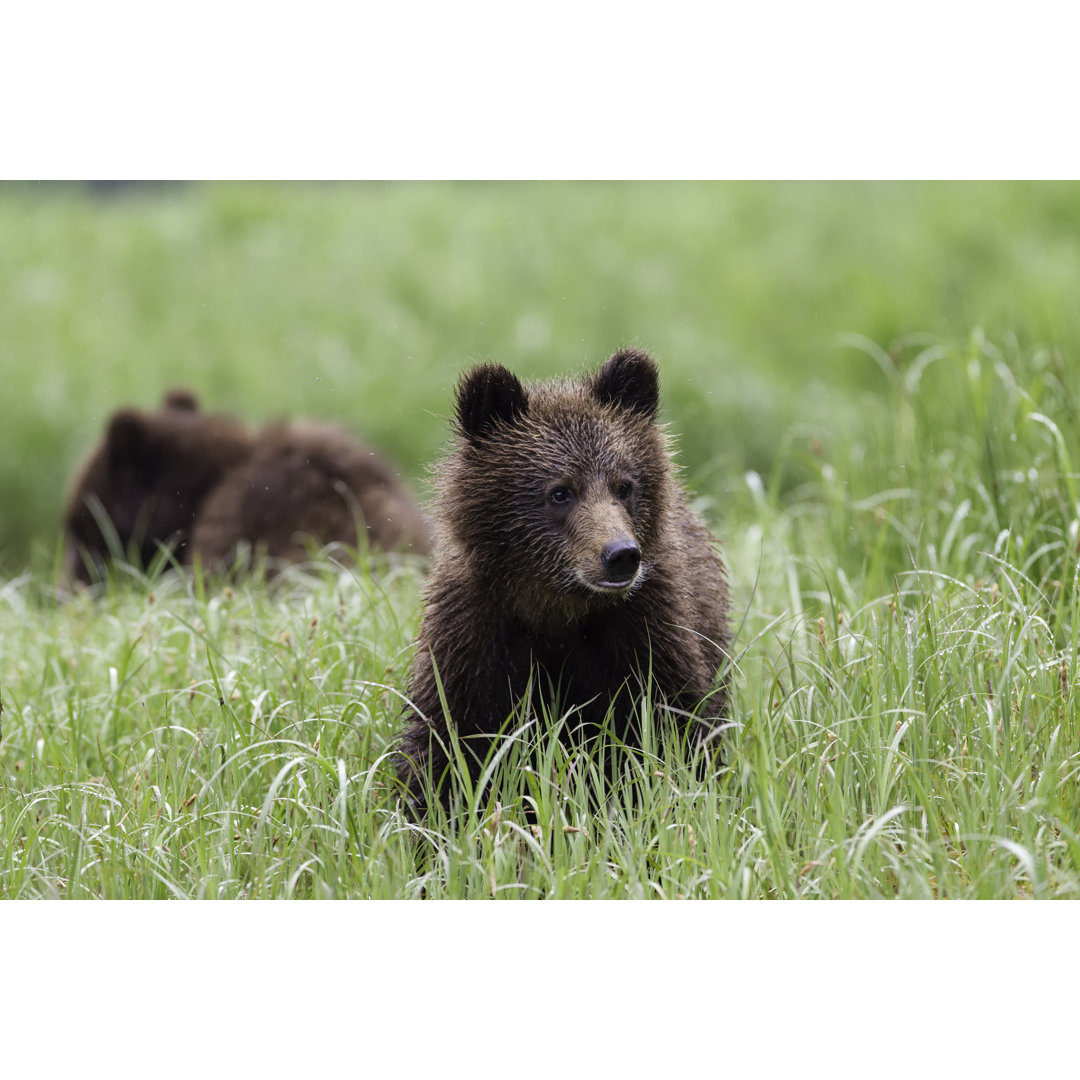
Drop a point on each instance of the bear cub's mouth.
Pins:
(608, 587)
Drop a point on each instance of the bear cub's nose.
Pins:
(621, 559)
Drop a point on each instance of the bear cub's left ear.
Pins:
(629, 380)
(487, 395)
(181, 400)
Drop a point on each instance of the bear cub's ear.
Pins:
(181, 400)
(629, 380)
(487, 395)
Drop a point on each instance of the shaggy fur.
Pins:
(203, 485)
(568, 562)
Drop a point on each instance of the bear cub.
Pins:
(203, 485)
(569, 565)
(144, 482)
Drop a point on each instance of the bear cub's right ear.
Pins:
(487, 395)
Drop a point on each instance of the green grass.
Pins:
(874, 391)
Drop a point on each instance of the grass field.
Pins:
(874, 390)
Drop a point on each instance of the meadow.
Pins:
(873, 390)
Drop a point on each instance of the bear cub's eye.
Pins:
(624, 490)
(561, 495)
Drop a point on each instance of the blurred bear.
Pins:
(202, 485)
(307, 482)
(141, 487)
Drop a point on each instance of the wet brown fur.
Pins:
(202, 485)
(518, 594)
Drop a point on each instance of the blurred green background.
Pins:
(362, 302)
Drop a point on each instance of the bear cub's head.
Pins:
(140, 487)
(559, 491)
